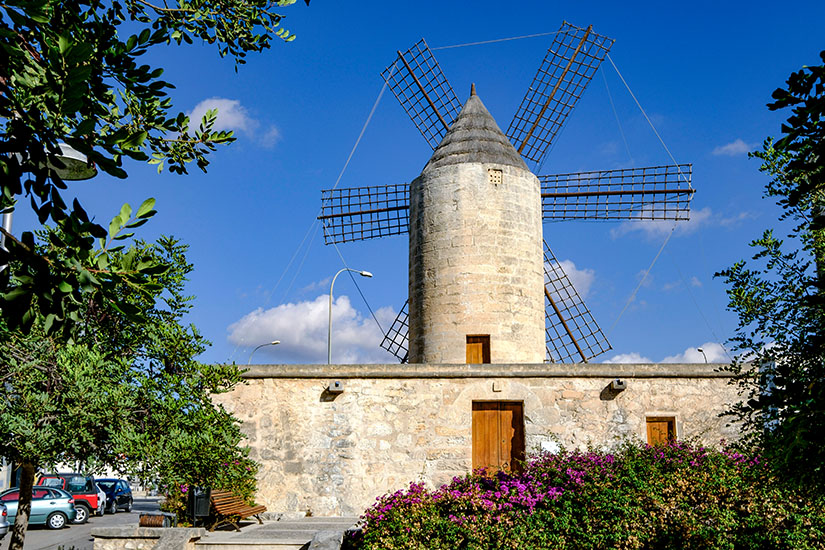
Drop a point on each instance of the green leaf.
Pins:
(146, 209)
(126, 212)
(114, 226)
(63, 43)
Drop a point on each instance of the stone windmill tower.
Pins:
(480, 288)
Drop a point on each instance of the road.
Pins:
(38, 537)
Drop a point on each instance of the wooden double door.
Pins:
(498, 435)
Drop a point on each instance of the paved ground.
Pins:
(39, 537)
(298, 530)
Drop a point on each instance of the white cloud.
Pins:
(632, 357)
(302, 329)
(270, 137)
(736, 219)
(714, 352)
(581, 279)
(695, 282)
(734, 148)
(231, 114)
(234, 116)
(653, 229)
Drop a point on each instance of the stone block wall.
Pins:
(328, 454)
(476, 264)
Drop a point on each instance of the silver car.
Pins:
(4, 521)
(51, 507)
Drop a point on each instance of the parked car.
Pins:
(101, 500)
(51, 507)
(4, 521)
(81, 487)
(118, 494)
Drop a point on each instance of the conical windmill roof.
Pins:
(475, 137)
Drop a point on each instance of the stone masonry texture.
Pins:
(475, 247)
(327, 454)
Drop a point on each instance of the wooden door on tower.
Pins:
(478, 349)
(498, 435)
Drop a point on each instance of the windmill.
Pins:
(469, 138)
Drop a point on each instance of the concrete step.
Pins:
(274, 535)
(300, 544)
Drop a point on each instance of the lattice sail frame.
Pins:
(573, 336)
(651, 193)
(419, 84)
(360, 213)
(570, 63)
(564, 73)
(397, 339)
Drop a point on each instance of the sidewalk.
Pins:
(274, 535)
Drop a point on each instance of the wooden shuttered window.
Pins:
(478, 349)
(660, 429)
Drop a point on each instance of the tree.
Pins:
(68, 76)
(128, 390)
(781, 301)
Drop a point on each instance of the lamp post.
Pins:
(76, 167)
(700, 350)
(272, 343)
(329, 333)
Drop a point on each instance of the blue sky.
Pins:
(702, 71)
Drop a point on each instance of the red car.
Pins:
(81, 487)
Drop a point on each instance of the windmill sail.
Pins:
(397, 339)
(360, 213)
(562, 77)
(422, 89)
(572, 334)
(651, 193)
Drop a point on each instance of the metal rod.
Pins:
(555, 89)
(564, 324)
(628, 192)
(420, 87)
(374, 211)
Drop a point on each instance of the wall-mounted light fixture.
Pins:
(336, 386)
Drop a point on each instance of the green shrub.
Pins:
(640, 497)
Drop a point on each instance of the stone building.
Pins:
(333, 453)
(476, 393)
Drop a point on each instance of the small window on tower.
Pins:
(494, 176)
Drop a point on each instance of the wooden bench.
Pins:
(230, 509)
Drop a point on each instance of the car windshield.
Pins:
(78, 484)
(51, 482)
(106, 485)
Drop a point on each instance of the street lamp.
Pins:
(76, 167)
(700, 350)
(329, 334)
(272, 343)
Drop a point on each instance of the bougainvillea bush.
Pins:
(675, 496)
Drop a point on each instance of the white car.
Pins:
(101, 500)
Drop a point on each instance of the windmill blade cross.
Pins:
(419, 85)
(650, 193)
(572, 333)
(567, 68)
(397, 339)
(360, 213)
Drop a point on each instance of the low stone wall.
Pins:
(333, 454)
(132, 537)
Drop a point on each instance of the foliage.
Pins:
(128, 392)
(70, 73)
(779, 295)
(641, 497)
